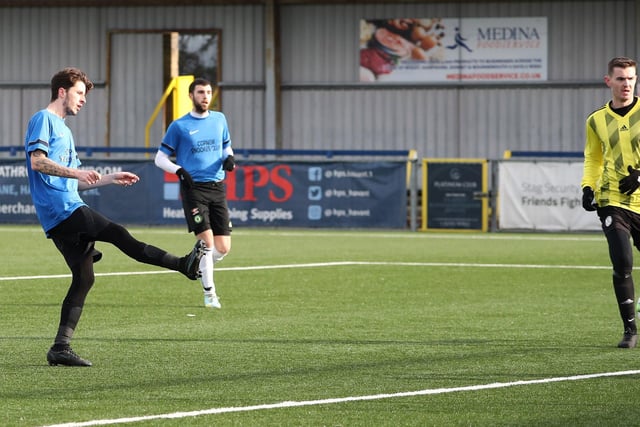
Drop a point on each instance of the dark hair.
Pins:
(198, 82)
(66, 78)
(621, 62)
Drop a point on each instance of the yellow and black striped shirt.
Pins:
(612, 144)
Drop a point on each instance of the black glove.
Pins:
(588, 197)
(630, 183)
(229, 164)
(185, 179)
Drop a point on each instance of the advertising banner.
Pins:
(319, 194)
(15, 196)
(123, 204)
(295, 194)
(542, 196)
(453, 49)
(452, 195)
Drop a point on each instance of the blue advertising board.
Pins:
(332, 194)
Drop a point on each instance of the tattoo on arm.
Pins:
(41, 163)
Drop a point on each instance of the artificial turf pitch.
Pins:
(324, 328)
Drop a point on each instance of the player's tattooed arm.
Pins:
(41, 163)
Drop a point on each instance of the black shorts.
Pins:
(613, 217)
(205, 208)
(75, 236)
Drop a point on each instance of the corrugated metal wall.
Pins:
(319, 43)
(323, 105)
(319, 47)
(34, 45)
(136, 80)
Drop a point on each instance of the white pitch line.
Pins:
(331, 264)
(593, 235)
(418, 264)
(293, 404)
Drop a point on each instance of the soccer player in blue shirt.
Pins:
(611, 178)
(201, 145)
(54, 181)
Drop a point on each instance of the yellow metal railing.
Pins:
(412, 157)
(176, 86)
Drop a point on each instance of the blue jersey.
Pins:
(54, 197)
(198, 144)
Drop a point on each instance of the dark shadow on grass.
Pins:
(520, 344)
(432, 379)
(478, 350)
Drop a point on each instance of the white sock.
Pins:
(206, 269)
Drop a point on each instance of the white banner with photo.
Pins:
(453, 49)
(542, 196)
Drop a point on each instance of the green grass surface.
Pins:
(393, 312)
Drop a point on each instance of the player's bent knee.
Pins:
(218, 254)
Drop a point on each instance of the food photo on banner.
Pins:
(453, 49)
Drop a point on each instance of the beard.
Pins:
(68, 110)
(201, 108)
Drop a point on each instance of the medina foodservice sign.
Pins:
(453, 49)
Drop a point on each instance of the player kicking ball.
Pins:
(55, 180)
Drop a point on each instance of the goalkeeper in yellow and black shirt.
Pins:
(611, 179)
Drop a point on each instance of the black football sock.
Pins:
(159, 257)
(140, 251)
(623, 288)
(69, 317)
